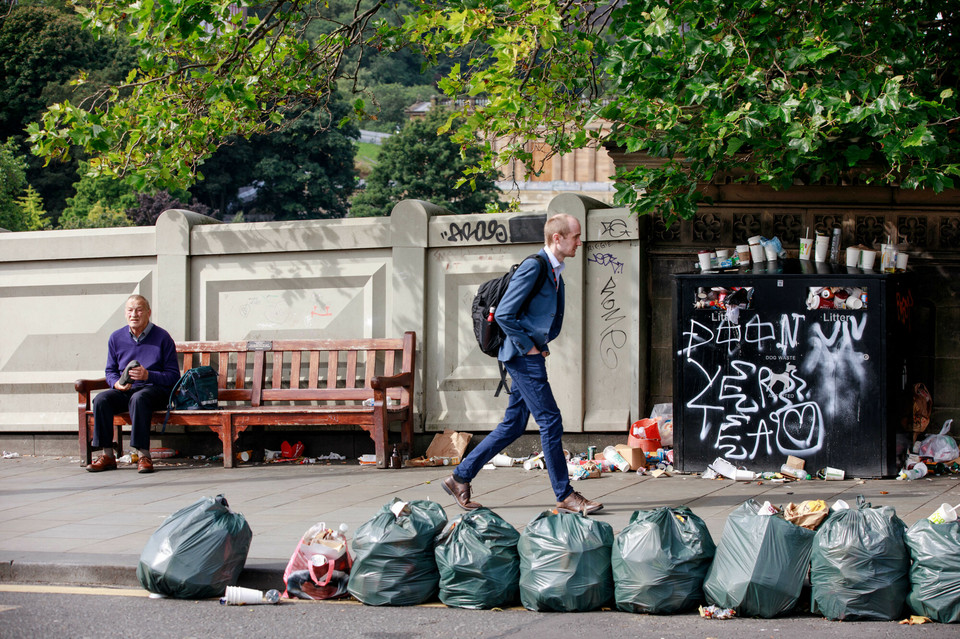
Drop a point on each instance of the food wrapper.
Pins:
(807, 514)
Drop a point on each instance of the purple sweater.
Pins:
(156, 352)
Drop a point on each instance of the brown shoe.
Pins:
(102, 463)
(460, 492)
(145, 465)
(577, 503)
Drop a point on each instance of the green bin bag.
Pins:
(393, 555)
(478, 561)
(760, 565)
(859, 568)
(565, 563)
(935, 572)
(196, 552)
(660, 560)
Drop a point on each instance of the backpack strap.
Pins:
(537, 285)
(170, 403)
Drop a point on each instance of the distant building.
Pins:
(586, 171)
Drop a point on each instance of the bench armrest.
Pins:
(85, 386)
(381, 383)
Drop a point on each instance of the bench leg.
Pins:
(380, 433)
(86, 436)
(228, 433)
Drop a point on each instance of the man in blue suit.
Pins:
(524, 353)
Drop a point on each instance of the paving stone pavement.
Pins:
(61, 524)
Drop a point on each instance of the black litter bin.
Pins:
(792, 358)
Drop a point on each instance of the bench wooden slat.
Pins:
(333, 367)
(313, 380)
(284, 398)
(295, 369)
(350, 379)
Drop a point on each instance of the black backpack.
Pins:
(195, 390)
(489, 334)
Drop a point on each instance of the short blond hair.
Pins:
(559, 223)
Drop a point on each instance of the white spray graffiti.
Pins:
(759, 409)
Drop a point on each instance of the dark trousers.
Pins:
(530, 394)
(140, 403)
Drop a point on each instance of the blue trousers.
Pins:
(530, 395)
(140, 403)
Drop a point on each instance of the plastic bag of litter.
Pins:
(935, 571)
(394, 562)
(760, 564)
(478, 561)
(565, 563)
(196, 552)
(859, 565)
(941, 447)
(660, 561)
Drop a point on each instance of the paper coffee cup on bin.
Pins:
(902, 261)
(944, 514)
(853, 255)
(705, 262)
(806, 246)
(756, 252)
(822, 248)
(868, 258)
(743, 252)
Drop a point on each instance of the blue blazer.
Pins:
(544, 317)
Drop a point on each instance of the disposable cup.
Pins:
(888, 257)
(238, 596)
(771, 252)
(868, 258)
(723, 254)
(853, 255)
(806, 245)
(502, 461)
(756, 253)
(822, 248)
(704, 257)
(902, 261)
(944, 514)
(743, 252)
(833, 474)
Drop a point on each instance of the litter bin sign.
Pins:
(781, 360)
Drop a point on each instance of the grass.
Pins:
(366, 158)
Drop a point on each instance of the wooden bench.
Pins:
(289, 382)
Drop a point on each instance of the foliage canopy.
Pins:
(774, 90)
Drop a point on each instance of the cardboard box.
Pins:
(636, 457)
(795, 462)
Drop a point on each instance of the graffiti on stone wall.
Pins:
(478, 231)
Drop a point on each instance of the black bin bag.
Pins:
(760, 565)
(660, 561)
(196, 552)
(860, 564)
(393, 561)
(478, 561)
(935, 571)
(565, 563)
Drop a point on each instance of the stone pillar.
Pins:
(172, 306)
(409, 239)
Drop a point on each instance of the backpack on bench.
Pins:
(195, 390)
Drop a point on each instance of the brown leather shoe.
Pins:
(102, 463)
(577, 503)
(144, 465)
(460, 492)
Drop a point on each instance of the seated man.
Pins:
(147, 390)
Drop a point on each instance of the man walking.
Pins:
(523, 354)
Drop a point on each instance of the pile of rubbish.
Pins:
(859, 562)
